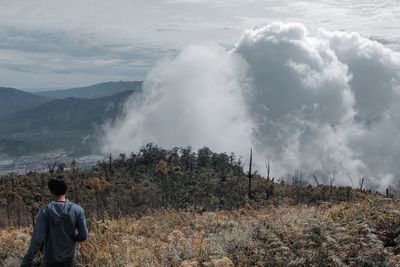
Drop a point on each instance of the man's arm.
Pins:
(37, 239)
(81, 227)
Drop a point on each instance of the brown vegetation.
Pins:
(364, 233)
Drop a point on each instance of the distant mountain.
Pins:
(94, 91)
(14, 100)
(69, 124)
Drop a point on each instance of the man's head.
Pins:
(58, 185)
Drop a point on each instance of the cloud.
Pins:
(189, 100)
(301, 100)
(325, 102)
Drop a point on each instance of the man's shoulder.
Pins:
(46, 207)
(75, 206)
(72, 204)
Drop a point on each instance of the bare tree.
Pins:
(250, 174)
(315, 178)
(351, 180)
(110, 163)
(297, 178)
(268, 166)
(51, 168)
(332, 178)
(362, 183)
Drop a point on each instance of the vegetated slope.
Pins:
(94, 91)
(154, 178)
(183, 208)
(348, 234)
(14, 100)
(69, 124)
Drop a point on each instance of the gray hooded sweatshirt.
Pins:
(59, 225)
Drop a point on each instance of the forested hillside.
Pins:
(69, 124)
(179, 207)
(154, 178)
(14, 100)
(67, 121)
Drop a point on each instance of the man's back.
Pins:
(60, 224)
(63, 219)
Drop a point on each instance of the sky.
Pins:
(47, 44)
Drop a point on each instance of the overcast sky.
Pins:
(48, 44)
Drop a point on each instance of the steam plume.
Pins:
(328, 102)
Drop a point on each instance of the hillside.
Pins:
(94, 91)
(350, 234)
(14, 100)
(178, 207)
(68, 124)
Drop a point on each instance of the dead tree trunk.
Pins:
(250, 174)
(362, 184)
(315, 178)
(51, 168)
(110, 163)
(268, 165)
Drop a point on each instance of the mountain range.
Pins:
(13, 100)
(93, 91)
(32, 124)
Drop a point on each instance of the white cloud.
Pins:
(327, 101)
(195, 99)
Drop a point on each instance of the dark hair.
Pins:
(58, 185)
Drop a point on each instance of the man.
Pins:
(59, 225)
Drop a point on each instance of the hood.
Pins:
(59, 211)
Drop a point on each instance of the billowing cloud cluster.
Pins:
(327, 103)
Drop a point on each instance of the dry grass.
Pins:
(348, 234)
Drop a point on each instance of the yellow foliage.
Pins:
(74, 165)
(197, 240)
(98, 183)
(338, 213)
(162, 167)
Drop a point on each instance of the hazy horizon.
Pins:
(36, 90)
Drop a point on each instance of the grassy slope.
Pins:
(343, 234)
